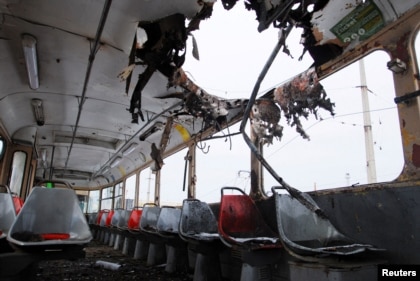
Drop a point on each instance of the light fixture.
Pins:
(31, 60)
(116, 161)
(38, 111)
(397, 66)
(129, 149)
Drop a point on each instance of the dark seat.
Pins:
(197, 222)
(304, 233)
(198, 226)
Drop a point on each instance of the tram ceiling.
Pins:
(110, 76)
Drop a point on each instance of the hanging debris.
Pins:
(160, 46)
(264, 117)
(199, 103)
(300, 97)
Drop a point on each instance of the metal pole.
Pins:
(367, 125)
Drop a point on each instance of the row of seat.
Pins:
(172, 233)
(223, 240)
(222, 236)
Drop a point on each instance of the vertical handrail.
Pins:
(292, 191)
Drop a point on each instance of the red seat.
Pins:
(17, 202)
(241, 223)
(101, 213)
(134, 219)
(109, 218)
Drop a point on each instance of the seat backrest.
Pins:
(241, 223)
(196, 218)
(239, 217)
(149, 218)
(297, 223)
(51, 211)
(134, 220)
(168, 221)
(99, 217)
(104, 217)
(109, 218)
(116, 217)
(123, 221)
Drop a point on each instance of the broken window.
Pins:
(335, 155)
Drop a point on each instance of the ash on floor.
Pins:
(88, 268)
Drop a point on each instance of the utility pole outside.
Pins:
(367, 125)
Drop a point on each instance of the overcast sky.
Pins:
(232, 54)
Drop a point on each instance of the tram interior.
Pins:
(107, 138)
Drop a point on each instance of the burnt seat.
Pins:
(198, 226)
(241, 223)
(197, 222)
(305, 234)
(243, 228)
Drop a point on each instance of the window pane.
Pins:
(222, 162)
(106, 202)
(93, 201)
(130, 190)
(172, 178)
(147, 187)
(18, 169)
(118, 195)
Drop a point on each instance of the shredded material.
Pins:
(300, 97)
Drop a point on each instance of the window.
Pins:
(93, 206)
(107, 194)
(18, 170)
(147, 187)
(172, 178)
(335, 155)
(118, 199)
(130, 191)
(2, 147)
(222, 162)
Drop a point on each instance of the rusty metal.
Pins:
(302, 96)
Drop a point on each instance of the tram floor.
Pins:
(88, 269)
